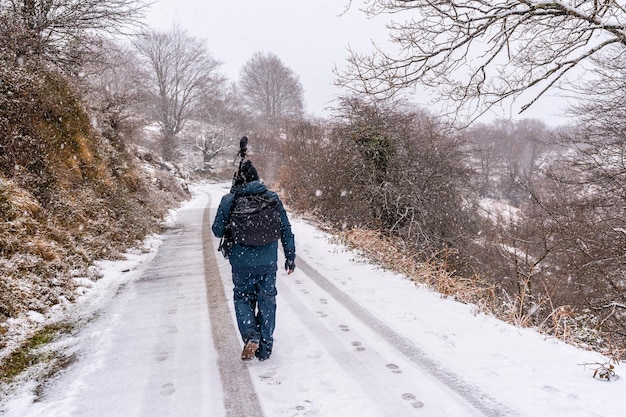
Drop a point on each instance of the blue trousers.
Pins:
(255, 308)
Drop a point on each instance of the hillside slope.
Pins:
(68, 196)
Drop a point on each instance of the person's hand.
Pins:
(290, 265)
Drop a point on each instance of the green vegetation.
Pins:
(30, 352)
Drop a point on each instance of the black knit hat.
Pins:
(248, 172)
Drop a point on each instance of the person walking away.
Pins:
(253, 260)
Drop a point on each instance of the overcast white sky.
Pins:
(310, 37)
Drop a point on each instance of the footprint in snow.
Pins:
(358, 346)
(307, 405)
(414, 401)
(268, 377)
(167, 389)
(394, 368)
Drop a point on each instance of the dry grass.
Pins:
(562, 322)
(393, 253)
(21, 201)
(43, 248)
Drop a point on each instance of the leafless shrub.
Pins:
(568, 243)
(388, 168)
(320, 174)
(603, 370)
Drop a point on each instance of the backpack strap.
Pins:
(226, 242)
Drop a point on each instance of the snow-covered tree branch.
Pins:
(476, 54)
(62, 33)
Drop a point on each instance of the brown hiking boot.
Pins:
(249, 350)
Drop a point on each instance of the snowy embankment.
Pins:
(351, 340)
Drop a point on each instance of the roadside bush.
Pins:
(383, 167)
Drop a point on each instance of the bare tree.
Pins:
(114, 89)
(62, 33)
(592, 222)
(484, 146)
(506, 155)
(223, 121)
(576, 218)
(270, 90)
(478, 53)
(572, 230)
(182, 71)
(529, 140)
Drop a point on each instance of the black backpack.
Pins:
(255, 219)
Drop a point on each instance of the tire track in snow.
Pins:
(387, 400)
(240, 399)
(480, 400)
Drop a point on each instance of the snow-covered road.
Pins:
(351, 340)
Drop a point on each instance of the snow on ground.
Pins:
(351, 340)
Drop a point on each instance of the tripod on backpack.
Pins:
(226, 242)
(243, 150)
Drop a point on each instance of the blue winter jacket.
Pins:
(254, 259)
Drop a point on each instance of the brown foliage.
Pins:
(67, 196)
(393, 253)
